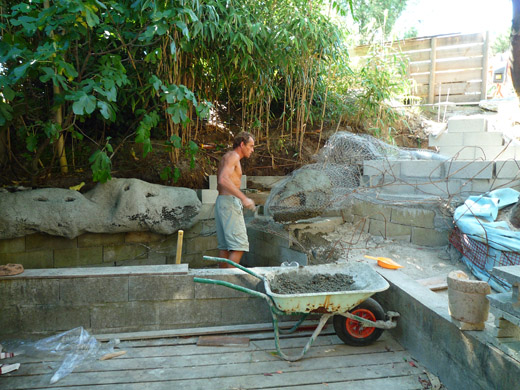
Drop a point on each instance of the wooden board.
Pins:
(474, 50)
(452, 64)
(220, 341)
(425, 43)
(164, 364)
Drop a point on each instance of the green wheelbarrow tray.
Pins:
(366, 282)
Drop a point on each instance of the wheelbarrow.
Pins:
(358, 319)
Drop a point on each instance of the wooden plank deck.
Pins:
(178, 363)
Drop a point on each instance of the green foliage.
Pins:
(169, 173)
(89, 70)
(89, 59)
(501, 43)
(374, 16)
(364, 94)
(101, 164)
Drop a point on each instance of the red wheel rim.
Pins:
(356, 329)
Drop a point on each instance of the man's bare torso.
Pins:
(231, 161)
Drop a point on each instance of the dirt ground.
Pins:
(418, 262)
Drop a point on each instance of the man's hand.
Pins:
(249, 204)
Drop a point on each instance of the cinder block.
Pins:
(10, 321)
(482, 139)
(422, 168)
(490, 153)
(463, 124)
(100, 239)
(507, 169)
(92, 290)
(51, 318)
(469, 169)
(458, 152)
(429, 237)
(143, 237)
(208, 313)
(165, 247)
(160, 287)
(78, 257)
(413, 217)
(441, 188)
(399, 187)
(252, 259)
(388, 229)
(380, 167)
(35, 259)
(483, 186)
(371, 210)
(12, 245)
(152, 259)
(200, 244)
(40, 241)
(207, 196)
(131, 314)
(29, 292)
(213, 182)
(447, 139)
(246, 311)
(124, 252)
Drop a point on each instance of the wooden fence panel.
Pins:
(459, 61)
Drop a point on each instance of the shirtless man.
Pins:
(231, 228)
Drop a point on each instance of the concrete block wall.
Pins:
(462, 359)
(41, 250)
(443, 179)
(270, 248)
(126, 299)
(420, 223)
(468, 138)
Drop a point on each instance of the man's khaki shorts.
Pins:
(231, 228)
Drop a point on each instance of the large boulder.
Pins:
(311, 190)
(120, 205)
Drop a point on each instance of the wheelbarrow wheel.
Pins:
(351, 332)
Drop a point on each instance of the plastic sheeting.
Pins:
(477, 219)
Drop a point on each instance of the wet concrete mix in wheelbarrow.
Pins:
(304, 283)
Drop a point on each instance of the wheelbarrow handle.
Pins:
(230, 262)
(233, 286)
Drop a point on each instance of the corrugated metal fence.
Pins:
(452, 67)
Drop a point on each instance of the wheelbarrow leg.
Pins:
(323, 321)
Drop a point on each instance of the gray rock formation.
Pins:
(120, 205)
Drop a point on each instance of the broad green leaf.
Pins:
(5, 113)
(91, 17)
(85, 105)
(106, 110)
(8, 93)
(176, 141)
(31, 142)
(19, 71)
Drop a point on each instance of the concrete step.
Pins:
(510, 273)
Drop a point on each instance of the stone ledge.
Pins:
(168, 269)
(463, 359)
